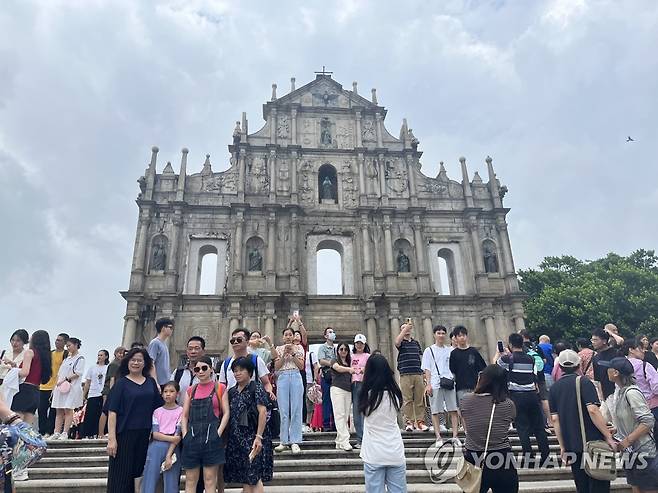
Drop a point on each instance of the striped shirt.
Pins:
(476, 412)
(409, 354)
(521, 369)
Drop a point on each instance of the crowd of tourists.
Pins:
(217, 419)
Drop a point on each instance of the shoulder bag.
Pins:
(444, 382)
(599, 462)
(469, 476)
(65, 385)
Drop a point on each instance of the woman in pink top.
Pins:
(360, 355)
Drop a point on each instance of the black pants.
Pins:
(529, 421)
(92, 416)
(585, 484)
(128, 464)
(304, 410)
(46, 413)
(502, 479)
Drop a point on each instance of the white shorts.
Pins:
(443, 400)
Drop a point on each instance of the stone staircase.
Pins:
(80, 466)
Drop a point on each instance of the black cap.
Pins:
(621, 364)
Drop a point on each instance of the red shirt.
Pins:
(34, 376)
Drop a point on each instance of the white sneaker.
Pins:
(457, 442)
(443, 429)
(347, 447)
(409, 427)
(20, 475)
(62, 436)
(281, 448)
(54, 436)
(295, 449)
(439, 442)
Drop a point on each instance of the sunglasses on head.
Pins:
(236, 340)
(201, 368)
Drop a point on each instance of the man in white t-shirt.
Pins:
(436, 366)
(239, 340)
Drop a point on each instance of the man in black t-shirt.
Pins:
(566, 420)
(466, 363)
(603, 353)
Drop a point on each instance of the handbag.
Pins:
(314, 393)
(469, 476)
(444, 382)
(65, 386)
(600, 463)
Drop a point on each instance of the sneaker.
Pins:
(295, 449)
(20, 475)
(347, 447)
(409, 426)
(443, 429)
(420, 425)
(457, 442)
(54, 436)
(281, 448)
(62, 436)
(439, 442)
(306, 429)
(357, 445)
(432, 428)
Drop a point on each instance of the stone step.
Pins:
(72, 485)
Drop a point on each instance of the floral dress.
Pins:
(241, 433)
(20, 447)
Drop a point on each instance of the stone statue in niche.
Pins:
(404, 265)
(327, 192)
(159, 256)
(490, 258)
(237, 132)
(255, 263)
(325, 132)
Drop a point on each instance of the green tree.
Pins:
(567, 297)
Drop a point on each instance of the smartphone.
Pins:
(295, 313)
(501, 348)
(409, 321)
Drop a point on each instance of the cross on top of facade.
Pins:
(324, 72)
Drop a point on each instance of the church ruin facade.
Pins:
(322, 173)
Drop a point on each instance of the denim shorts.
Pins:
(199, 453)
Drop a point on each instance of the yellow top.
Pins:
(56, 357)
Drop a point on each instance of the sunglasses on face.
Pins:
(343, 349)
(236, 340)
(199, 369)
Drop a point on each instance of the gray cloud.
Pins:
(549, 89)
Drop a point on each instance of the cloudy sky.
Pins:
(549, 89)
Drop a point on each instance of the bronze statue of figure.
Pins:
(403, 262)
(159, 257)
(255, 260)
(327, 192)
(490, 259)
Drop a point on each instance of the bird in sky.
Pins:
(630, 139)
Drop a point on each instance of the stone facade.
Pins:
(323, 172)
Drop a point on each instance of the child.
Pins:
(164, 442)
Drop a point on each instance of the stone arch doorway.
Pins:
(340, 244)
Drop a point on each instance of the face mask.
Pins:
(332, 336)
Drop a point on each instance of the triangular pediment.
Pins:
(323, 92)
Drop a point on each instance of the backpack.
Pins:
(539, 363)
(254, 360)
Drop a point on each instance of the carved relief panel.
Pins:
(349, 184)
(258, 179)
(396, 177)
(283, 178)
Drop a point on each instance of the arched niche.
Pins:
(403, 255)
(255, 254)
(446, 263)
(327, 184)
(158, 254)
(490, 257)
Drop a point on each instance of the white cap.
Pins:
(360, 338)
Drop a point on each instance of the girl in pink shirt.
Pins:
(360, 355)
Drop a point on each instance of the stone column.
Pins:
(172, 262)
(427, 330)
(519, 323)
(242, 165)
(269, 327)
(270, 281)
(233, 324)
(371, 325)
(503, 238)
(412, 181)
(466, 184)
(478, 260)
(492, 341)
(272, 165)
(367, 272)
(421, 269)
(273, 123)
(294, 256)
(129, 330)
(394, 331)
(150, 174)
(382, 179)
(390, 272)
(294, 162)
(139, 257)
(293, 126)
(378, 129)
(357, 126)
(238, 251)
(362, 178)
(182, 175)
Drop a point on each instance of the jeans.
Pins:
(394, 478)
(327, 409)
(46, 413)
(157, 452)
(529, 420)
(357, 417)
(289, 396)
(341, 400)
(585, 484)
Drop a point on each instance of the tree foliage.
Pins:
(567, 297)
